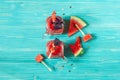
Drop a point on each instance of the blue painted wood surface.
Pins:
(22, 25)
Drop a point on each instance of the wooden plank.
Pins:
(22, 25)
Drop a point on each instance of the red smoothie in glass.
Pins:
(55, 24)
(55, 49)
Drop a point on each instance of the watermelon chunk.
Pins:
(75, 20)
(76, 48)
(87, 37)
(39, 58)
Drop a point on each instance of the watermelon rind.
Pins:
(80, 51)
(79, 20)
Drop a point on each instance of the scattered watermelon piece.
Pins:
(39, 58)
(76, 48)
(87, 37)
(75, 20)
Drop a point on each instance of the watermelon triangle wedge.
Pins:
(77, 47)
(75, 20)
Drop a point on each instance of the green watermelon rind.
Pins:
(80, 51)
(79, 20)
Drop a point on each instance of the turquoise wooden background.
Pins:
(22, 25)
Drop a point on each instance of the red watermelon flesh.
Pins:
(39, 58)
(87, 37)
(75, 20)
(76, 48)
(78, 41)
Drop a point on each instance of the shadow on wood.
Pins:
(66, 25)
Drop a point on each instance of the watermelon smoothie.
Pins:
(55, 24)
(55, 49)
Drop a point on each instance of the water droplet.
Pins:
(44, 35)
(62, 9)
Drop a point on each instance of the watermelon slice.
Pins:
(76, 48)
(75, 20)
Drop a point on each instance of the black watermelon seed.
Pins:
(63, 14)
(69, 71)
(71, 64)
(70, 7)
